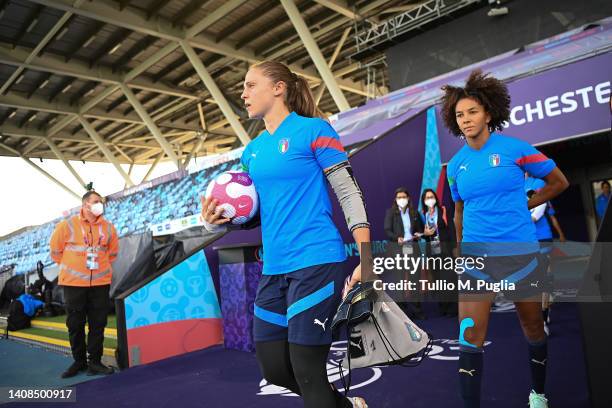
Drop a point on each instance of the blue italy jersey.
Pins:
(535, 184)
(490, 182)
(295, 209)
(601, 203)
(543, 230)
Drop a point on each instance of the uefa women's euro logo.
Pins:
(444, 351)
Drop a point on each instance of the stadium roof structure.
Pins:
(144, 81)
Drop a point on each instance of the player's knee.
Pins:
(276, 374)
(304, 373)
(275, 371)
(533, 329)
(474, 338)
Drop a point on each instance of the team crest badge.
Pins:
(283, 145)
(494, 160)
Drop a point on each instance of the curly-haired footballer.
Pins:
(493, 221)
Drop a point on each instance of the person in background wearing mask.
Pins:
(439, 237)
(601, 203)
(404, 227)
(84, 246)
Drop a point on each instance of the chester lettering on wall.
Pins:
(555, 105)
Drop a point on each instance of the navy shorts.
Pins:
(526, 272)
(299, 306)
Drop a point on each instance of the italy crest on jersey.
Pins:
(283, 145)
(494, 160)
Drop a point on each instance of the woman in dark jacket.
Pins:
(439, 236)
(404, 227)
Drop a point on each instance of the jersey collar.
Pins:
(484, 146)
(288, 119)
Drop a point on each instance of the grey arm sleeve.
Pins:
(349, 195)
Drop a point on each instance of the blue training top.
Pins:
(490, 182)
(601, 203)
(543, 230)
(30, 304)
(296, 216)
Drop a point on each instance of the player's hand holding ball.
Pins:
(230, 198)
(211, 212)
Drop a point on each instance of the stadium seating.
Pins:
(132, 214)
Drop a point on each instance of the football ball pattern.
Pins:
(236, 194)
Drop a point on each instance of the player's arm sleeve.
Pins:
(538, 212)
(326, 147)
(113, 247)
(452, 183)
(531, 160)
(58, 242)
(342, 180)
(331, 157)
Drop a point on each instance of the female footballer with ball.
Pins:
(492, 219)
(300, 289)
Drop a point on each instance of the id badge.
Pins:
(92, 260)
(407, 249)
(435, 246)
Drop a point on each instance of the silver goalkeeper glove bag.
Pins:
(378, 332)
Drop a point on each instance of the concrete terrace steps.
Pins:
(53, 335)
(43, 324)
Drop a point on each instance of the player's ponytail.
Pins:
(298, 97)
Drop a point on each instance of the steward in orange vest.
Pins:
(84, 247)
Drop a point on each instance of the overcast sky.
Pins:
(30, 198)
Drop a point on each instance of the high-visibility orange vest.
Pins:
(70, 243)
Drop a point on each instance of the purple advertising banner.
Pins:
(538, 57)
(395, 160)
(379, 128)
(564, 102)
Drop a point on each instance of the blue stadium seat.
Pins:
(132, 214)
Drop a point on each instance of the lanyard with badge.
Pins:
(432, 223)
(406, 246)
(92, 252)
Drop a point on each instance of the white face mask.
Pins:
(402, 202)
(430, 202)
(97, 209)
